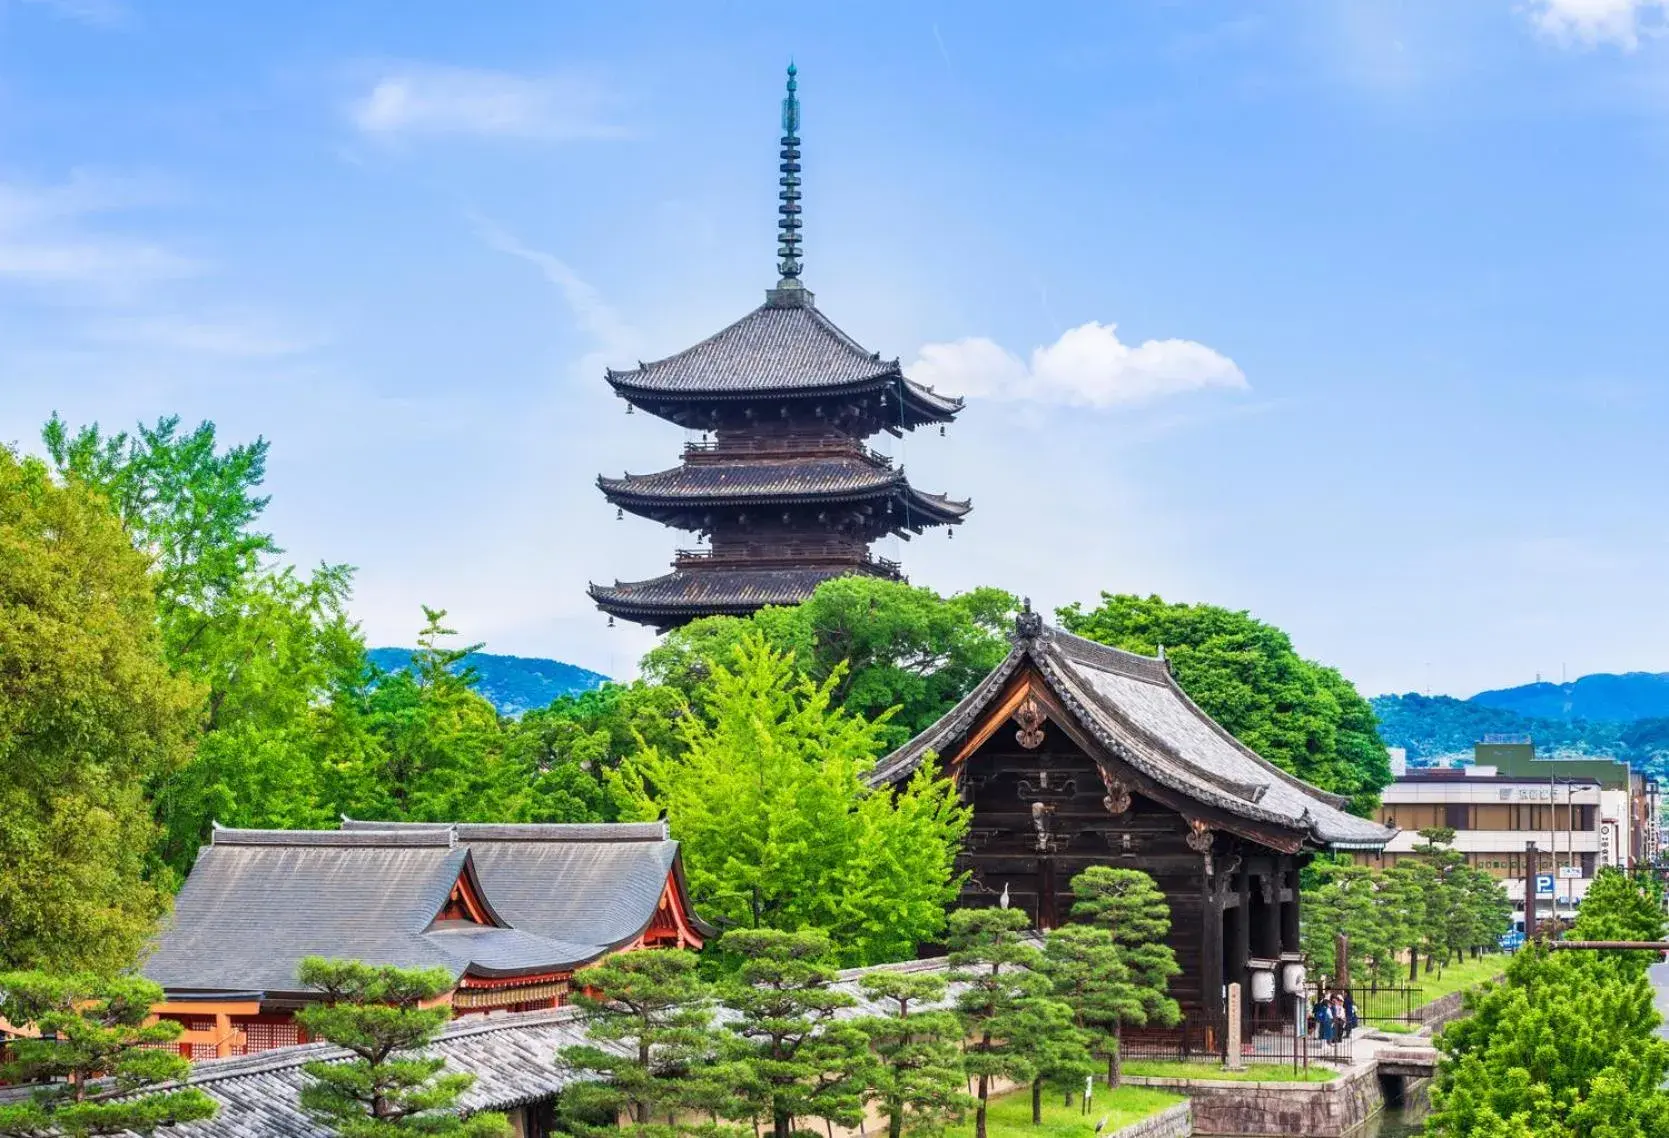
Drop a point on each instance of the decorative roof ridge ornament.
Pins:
(790, 292)
(1028, 625)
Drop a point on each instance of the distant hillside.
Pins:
(1433, 727)
(1615, 698)
(513, 684)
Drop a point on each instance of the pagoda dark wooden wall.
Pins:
(1040, 817)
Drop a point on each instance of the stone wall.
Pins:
(1172, 1122)
(1322, 1110)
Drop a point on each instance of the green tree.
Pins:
(1566, 1046)
(270, 645)
(650, 1028)
(1406, 895)
(796, 1058)
(997, 972)
(1302, 716)
(1348, 899)
(378, 1014)
(1620, 907)
(1058, 1048)
(89, 712)
(883, 644)
(1128, 904)
(778, 827)
(96, 1056)
(1086, 967)
(915, 1040)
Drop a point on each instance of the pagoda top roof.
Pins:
(747, 481)
(1134, 708)
(786, 347)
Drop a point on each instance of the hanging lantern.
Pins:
(611, 622)
(619, 514)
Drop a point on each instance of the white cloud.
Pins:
(418, 99)
(47, 235)
(1087, 367)
(1593, 22)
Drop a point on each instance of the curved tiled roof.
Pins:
(778, 349)
(708, 590)
(1133, 706)
(259, 901)
(753, 481)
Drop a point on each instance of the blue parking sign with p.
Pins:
(1544, 885)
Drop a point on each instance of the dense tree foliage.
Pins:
(1303, 716)
(89, 712)
(916, 1076)
(1566, 1046)
(879, 644)
(795, 1058)
(389, 1088)
(1129, 905)
(997, 972)
(650, 1024)
(90, 1049)
(778, 828)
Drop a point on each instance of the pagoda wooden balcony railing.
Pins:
(719, 450)
(741, 559)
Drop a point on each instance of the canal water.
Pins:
(1404, 1120)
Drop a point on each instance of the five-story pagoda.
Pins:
(785, 491)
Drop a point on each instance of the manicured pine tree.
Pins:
(998, 971)
(1128, 904)
(1042, 1027)
(94, 1051)
(1088, 972)
(794, 1057)
(916, 1041)
(650, 1025)
(377, 1013)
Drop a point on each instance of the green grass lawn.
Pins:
(1254, 1072)
(1394, 1028)
(1011, 1114)
(1455, 978)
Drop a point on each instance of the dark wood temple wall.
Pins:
(1041, 816)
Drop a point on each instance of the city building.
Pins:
(781, 485)
(1495, 816)
(1629, 801)
(509, 911)
(1074, 754)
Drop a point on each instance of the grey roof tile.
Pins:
(777, 349)
(1133, 705)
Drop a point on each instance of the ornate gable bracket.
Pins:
(1200, 838)
(1118, 793)
(1029, 791)
(1030, 718)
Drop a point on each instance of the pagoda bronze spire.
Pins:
(788, 221)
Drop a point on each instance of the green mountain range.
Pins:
(513, 684)
(1626, 716)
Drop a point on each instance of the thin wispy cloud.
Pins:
(615, 338)
(108, 15)
(52, 235)
(419, 99)
(1088, 366)
(1590, 23)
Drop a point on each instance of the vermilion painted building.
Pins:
(512, 911)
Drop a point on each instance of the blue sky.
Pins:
(1349, 314)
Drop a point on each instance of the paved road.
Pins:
(1660, 980)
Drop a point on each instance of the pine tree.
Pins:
(1128, 904)
(377, 1013)
(95, 1052)
(649, 1022)
(1042, 1027)
(916, 1040)
(1086, 967)
(998, 971)
(795, 1057)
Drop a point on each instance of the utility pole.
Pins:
(1529, 890)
